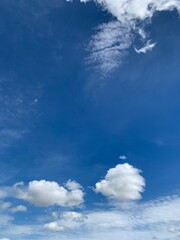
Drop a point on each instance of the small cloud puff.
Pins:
(73, 216)
(122, 157)
(19, 208)
(54, 227)
(121, 183)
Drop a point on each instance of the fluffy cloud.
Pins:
(45, 193)
(4, 239)
(121, 183)
(19, 208)
(73, 216)
(128, 10)
(54, 227)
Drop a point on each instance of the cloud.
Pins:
(19, 208)
(4, 239)
(147, 48)
(122, 157)
(112, 41)
(121, 183)
(45, 193)
(128, 10)
(156, 219)
(5, 205)
(73, 216)
(109, 46)
(54, 227)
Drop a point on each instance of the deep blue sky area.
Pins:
(63, 117)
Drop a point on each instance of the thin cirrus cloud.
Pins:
(109, 46)
(111, 43)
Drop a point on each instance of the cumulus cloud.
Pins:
(111, 42)
(54, 227)
(73, 216)
(156, 219)
(19, 208)
(45, 193)
(128, 10)
(122, 183)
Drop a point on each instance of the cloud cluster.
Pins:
(157, 219)
(128, 10)
(111, 42)
(122, 183)
(45, 193)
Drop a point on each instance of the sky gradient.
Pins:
(89, 119)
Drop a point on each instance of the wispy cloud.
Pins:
(112, 41)
(147, 48)
(17, 108)
(109, 46)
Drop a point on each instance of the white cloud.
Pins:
(111, 43)
(109, 46)
(45, 193)
(19, 208)
(5, 205)
(54, 227)
(157, 219)
(5, 192)
(122, 157)
(128, 10)
(122, 183)
(4, 239)
(73, 216)
(147, 48)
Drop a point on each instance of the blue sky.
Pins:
(89, 119)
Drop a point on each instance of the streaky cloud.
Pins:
(147, 48)
(109, 46)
